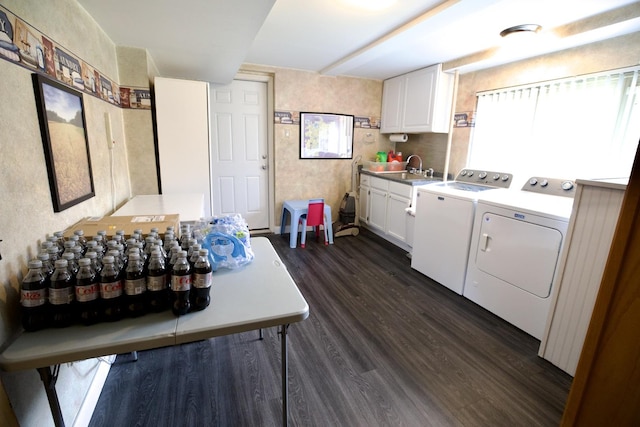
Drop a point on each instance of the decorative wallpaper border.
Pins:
(22, 44)
(293, 118)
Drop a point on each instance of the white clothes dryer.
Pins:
(444, 215)
(515, 251)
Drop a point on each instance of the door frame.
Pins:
(269, 80)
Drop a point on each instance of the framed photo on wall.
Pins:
(326, 136)
(64, 137)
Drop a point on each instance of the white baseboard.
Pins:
(93, 393)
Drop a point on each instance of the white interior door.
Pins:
(239, 151)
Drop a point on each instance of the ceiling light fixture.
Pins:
(525, 28)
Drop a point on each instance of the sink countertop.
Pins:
(411, 179)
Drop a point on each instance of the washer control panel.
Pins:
(488, 178)
(550, 186)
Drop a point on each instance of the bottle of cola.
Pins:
(87, 293)
(202, 280)
(82, 240)
(61, 295)
(111, 290)
(33, 298)
(135, 286)
(157, 284)
(181, 285)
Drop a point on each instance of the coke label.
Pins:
(156, 283)
(87, 293)
(135, 286)
(60, 296)
(109, 290)
(33, 298)
(180, 283)
(202, 280)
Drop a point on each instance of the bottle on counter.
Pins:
(87, 290)
(202, 280)
(33, 298)
(111, 290)
(181, 285)
(61, 295)
(135, 286)
(157, 283)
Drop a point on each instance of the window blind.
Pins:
(580, 127)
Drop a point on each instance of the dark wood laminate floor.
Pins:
(383, 346)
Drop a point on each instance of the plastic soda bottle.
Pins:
(157, 284)
(61, 295)
(202, 280)
(87, 293)
(181, 285)
(135, 286)
(111, 290)
(33, 298)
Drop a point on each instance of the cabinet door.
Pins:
(377, 208)
(363, 207)
(397, 216)
(392, 104)
(419, 92)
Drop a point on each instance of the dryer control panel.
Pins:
(550, 186)
(488, 178)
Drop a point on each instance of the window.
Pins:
(581, 127)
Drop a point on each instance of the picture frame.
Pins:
(326, 136)
(64, 138)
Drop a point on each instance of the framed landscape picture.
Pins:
(64, 137)
(326, 136)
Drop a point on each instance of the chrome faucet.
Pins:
(428, 173)
(409, 159)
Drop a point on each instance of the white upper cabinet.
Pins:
(418, 102)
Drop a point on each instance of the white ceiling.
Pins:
(210, 39)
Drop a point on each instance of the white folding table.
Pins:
(259, 295)
(190, 206)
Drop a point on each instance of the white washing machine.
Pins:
(443, 225)
(515, 251)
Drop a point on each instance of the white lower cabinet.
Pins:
(383, 205)
(378, 195)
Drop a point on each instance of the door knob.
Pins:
(264, 167)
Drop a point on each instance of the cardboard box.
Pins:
(111, 224)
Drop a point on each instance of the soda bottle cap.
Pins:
(109, 259)
(35, 263)
(61, 263)
(203, 252)
(84, 262)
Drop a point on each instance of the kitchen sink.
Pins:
(409, 178)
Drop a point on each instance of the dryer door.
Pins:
(520, 253)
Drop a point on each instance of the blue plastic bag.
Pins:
(228, 240)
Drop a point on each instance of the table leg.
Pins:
(49, 380)
(285, 380)
(283, 221)
(293, 237)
